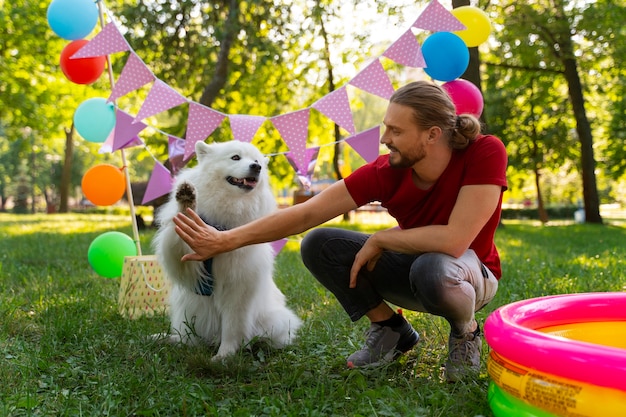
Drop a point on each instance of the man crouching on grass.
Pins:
(442, 180)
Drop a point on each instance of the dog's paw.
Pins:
(165, 338)
(186, 196)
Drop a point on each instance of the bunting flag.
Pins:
(305, 175)
(294, 129)
(160, 183)
(366, 143)
(107, 145)
(278, 245)
(125, 132)
(135, 75)
(374, 80)
(108, 41)
(406, 51)
(161, 97)
(176, 153)
(336, 106)
(202, 121)
(437, 18)
(245, 126)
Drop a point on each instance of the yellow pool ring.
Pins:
(607, 333)
(557, 395)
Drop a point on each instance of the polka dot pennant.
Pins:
(406, 51)
(336, 106)
(366, 143)
(374, 80)
(294, 129)
(437, 18)
(245, 126)
(108, 41)
(134, 75)
(202, 121)
(160, 98)
(309, 162)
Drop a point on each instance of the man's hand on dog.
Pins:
(203, 239)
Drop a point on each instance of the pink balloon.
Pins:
(465, 96)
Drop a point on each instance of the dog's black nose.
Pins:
(255, 167)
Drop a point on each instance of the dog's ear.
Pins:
(202, 149)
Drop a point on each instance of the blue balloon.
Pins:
(72, 19)
(446, 56)
(94, 119)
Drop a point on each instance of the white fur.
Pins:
(246, 303)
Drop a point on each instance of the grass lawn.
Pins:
(65, 350)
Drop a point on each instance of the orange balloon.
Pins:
(104, 184)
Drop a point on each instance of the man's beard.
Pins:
(399, 160)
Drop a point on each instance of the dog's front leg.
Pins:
(235, 325)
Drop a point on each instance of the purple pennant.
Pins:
(202, 121)
(107, 145)
(108, 41)
(125, 130)
(336, 105)
(176, 153)
(294, 129)
(161, 97)
(374, 80)
(278, 245)
(437, 18)
(305, 174)
(406, 51)
(134, 76)
(366, 143)
(245, 126)
(160, 183)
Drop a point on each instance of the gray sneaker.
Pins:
(383, 344)
(463, 355)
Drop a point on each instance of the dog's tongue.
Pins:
(249, 182)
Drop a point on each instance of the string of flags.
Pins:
(202, 121)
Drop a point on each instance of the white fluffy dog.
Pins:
(228, 300)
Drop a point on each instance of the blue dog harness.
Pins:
(205, 283)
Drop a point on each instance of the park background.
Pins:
(552, 80)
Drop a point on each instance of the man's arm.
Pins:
(206, 242)
(473, 208)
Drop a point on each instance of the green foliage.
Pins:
(66, 351)
(527, 96)
(276, 65)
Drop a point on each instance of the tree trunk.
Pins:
(541, 209)
(331, 88)
(220, 76)
(66, 174)
(583, 129)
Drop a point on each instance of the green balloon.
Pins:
(107, 252)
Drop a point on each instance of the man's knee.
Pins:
(428, 276)
(311, 244)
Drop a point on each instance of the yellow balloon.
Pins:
(477, 23)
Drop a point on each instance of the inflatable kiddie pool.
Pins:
(562, 355)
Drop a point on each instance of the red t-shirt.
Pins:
(482, 162)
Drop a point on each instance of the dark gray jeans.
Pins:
(453, 288)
